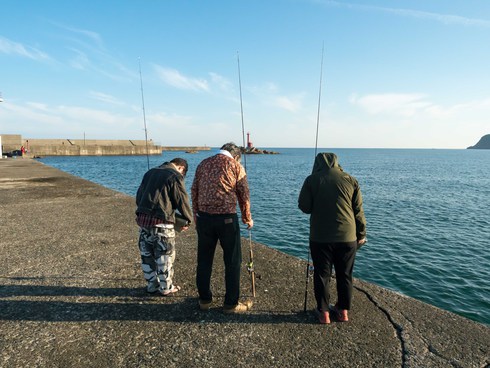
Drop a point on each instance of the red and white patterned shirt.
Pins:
(220, 181)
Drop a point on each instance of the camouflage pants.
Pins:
(157, 249)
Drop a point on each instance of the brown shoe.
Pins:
(204, 305)
(239, 308)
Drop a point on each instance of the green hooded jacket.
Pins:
(334, 201)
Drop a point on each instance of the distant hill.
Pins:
(483, 143)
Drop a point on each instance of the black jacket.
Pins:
(161, 192)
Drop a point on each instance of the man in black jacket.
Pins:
(161, 193)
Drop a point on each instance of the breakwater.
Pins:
(86, 147)
(72, 294)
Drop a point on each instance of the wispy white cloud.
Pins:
(442, 18)
(39, 119)
(174, 78)
(83, 115)
(162, 119)
(38, 106)
(173, 124)
(400, 104)
(271, 87)
(106, 98)
(90, 61)
(466, 110)
(92, 37)
(438, 17)
(223, 83)
(14, 48)
(289, 103)
(80, 60)
(90, 54)
(418, 109)
(269, 94)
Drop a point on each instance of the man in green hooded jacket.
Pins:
(333, 200)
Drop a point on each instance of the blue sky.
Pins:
(396, 74)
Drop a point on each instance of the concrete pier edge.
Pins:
(72, 295)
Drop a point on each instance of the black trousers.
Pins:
(226, 229)
(341, 256)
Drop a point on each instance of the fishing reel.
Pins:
(250, 266)
(250, 269)
(311, 270)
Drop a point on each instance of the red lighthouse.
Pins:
(249, 144)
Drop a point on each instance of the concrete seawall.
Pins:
(72, 295)
(96, 150)
(87, 147)
(109, 150)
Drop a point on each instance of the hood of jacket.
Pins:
(169, 165)
(325, 161)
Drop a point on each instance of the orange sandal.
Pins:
(341, 315)
(323, 317)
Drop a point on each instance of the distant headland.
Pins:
(483, 143)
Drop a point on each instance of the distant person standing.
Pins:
(220, 182)
(161, 192)
(337, 228)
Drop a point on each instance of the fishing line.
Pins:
(250, 265)
(309, 267)
(144, 115)
(241, 110)
(319, 100)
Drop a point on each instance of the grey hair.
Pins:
(234, 150)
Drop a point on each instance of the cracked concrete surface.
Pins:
(72, 295)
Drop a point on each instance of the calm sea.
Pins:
(428, 214)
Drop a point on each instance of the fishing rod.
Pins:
(144, 116)
(309, 267)
(250, 265)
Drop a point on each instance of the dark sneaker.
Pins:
(323, 317)
(239, 308)
(204, 305)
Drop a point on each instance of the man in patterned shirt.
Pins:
(160, 194)
(220, 182)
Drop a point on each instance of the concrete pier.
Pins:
(72, 295)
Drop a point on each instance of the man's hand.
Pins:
(250, 224)
(184, 228)
(361, 242)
